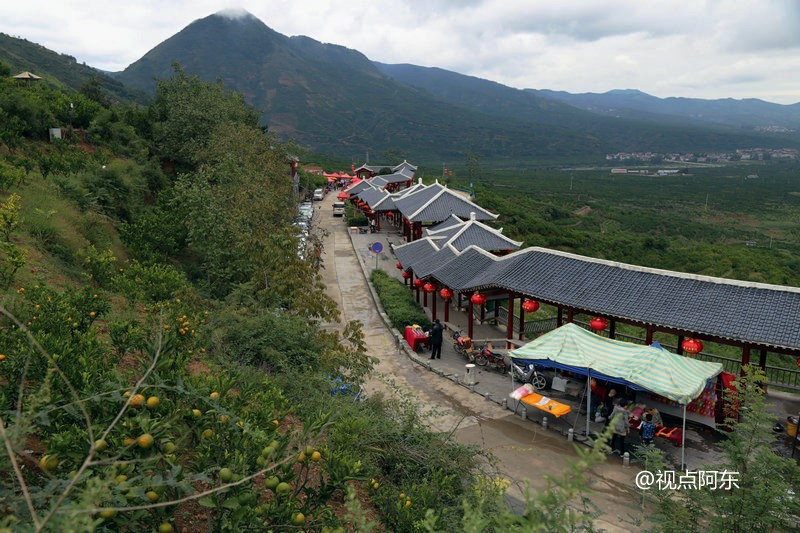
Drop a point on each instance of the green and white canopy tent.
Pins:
(649, 368)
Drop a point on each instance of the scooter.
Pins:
(528, 374)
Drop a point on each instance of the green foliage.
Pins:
(764, 499)
(186, 112)
(149, 283)
(398, 301)
(117, 189)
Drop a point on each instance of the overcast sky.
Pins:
(694, 48)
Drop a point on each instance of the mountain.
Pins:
(749, 113)
(335, 100)
(61, 69)
(640, 131)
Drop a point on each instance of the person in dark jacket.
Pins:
(436, 339)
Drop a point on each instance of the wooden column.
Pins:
(560, 317)
(648, 339)
(496, 309)
(510, 322)
(521, 322)
(377, 222)
(446, 310)
(416, 290)
(469, 318)
(762, 362)
(612, 329)
(679, 351)
(570, 315)
(424, 298)
(745, 357)
(483, 312)
(459, 301)
(433, 305)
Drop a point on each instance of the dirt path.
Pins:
(524, 455)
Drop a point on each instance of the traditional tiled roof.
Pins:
(431, 262)
(749, 312)
(436, 203)
(449, 222)
(386, 179)
(474, 233)
(385, 204)
(358, 187)
(462, 268)
(412, 253)
(372, 168)
(405, 165)
(372, 196)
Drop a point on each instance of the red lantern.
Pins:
(530, 306)
(399, 265)
(406, 274)
(429, 288)
(478, 299)
(598, 323)
(418, 283)
(446, 293)
(692, 346)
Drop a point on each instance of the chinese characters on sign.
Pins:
(689, 480)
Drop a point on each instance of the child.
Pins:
(647, 430)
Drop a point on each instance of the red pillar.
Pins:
(377, 222)
(446, 310)
(510, 324)
(469, 318)
(433, 305)
(521, 323)
(424, 298)
(745, 357)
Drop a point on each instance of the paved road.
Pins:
(525, 453)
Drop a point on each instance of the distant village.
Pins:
(743, 154)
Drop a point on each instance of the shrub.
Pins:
(398, 301)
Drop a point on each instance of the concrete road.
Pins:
(525, 453)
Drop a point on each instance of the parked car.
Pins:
(338, 209)
(319, 195)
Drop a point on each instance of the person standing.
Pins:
(621, 427)
(436, 339)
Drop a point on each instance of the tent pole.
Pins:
(588, 399)
(683, 440)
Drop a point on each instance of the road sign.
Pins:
(376, 247)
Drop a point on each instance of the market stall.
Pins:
(645, 369)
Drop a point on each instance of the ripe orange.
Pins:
(207, 434)
(107, 513)
(316, 457)
(298, 519)
(153, 402)
(126, 394)
(92, 314)
(214, 395)
(48, 463)
(100, 445)
(408, 503)
(301, 458)
(197, 413)
(165, 527)
(224, 418)
(151, 495)
(137, 400)
(2, 357)
(145, 441)
(128, 441)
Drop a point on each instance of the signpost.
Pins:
(376, 249)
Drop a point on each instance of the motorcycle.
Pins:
(463, 345)
(486, 356)
(528, 374)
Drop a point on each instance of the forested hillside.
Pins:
(63, 70)
(163, 362)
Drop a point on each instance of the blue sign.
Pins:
(376, 247)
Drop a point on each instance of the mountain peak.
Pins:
(235, 13)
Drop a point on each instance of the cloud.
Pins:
(665, 47)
